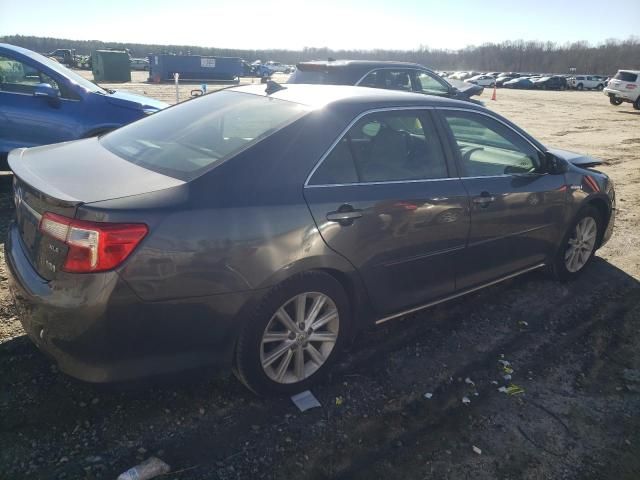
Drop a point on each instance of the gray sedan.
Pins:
(261, 227)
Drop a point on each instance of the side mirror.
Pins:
(555, 165)
(47, 91)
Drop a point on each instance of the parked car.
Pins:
(482, 80)
(502, 79)
(555, 82)
(588, 82)
(277, 67)
(624, 87)
(160, 249)
(520, 82)
(42, 101)
(139, 64)
(409, 77)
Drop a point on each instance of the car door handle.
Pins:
(484, 199)
(345, 215)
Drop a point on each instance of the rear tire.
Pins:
(600, 87)
(578, 245)
(636, 104)
(615, 101)
(276, 352)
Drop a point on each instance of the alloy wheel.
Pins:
(299, 337)
(581, 244)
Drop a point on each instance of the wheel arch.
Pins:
(343, 272)
(601, 204)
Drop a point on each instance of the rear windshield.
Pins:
(190, 138)
(626, 76)
(317, 76)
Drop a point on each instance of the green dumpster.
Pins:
(110, 66)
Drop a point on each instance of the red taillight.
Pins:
(93, 246)
(631, 86)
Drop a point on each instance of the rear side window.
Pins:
(388, 79)
(384, 147)
(185, 140)
(626, 76)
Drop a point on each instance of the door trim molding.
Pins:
(459, 294)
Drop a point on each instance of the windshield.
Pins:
(70, 74)
(185, 140)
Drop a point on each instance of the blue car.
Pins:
(42, 102)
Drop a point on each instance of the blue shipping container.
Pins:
(194, 68)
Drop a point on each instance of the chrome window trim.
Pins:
(426, 107)
(387, 182)
(458, 294)
(346, 130)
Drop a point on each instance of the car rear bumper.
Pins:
(625, 96)
(98, 330)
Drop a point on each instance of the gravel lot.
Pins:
(573, 348)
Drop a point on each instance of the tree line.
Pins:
(518, 55)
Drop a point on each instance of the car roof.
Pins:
(362, 63)
(319, 96)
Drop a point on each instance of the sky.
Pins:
(337, 24)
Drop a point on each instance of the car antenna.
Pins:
(273, 87)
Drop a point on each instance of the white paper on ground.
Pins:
(305, 400)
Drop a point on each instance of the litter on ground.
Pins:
(305, 400)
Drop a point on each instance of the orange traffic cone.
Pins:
(493, 97)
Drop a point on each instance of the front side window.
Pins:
(489, 148)
(18, 77)
(185, 140)
(428, 84)
(384, 147)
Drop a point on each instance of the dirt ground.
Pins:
(573, 348)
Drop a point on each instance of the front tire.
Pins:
(580, 86)
(578, 245)
(294, 336)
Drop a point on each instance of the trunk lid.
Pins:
(59, 179)
(577, 159)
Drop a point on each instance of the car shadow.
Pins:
(629, 112)
(202, 420)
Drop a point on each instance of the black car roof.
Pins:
(319, 96)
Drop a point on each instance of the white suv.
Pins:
(589, 82)
(624, 87)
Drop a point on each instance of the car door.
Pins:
(386, 198)
(517, 208)
(30, 120)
